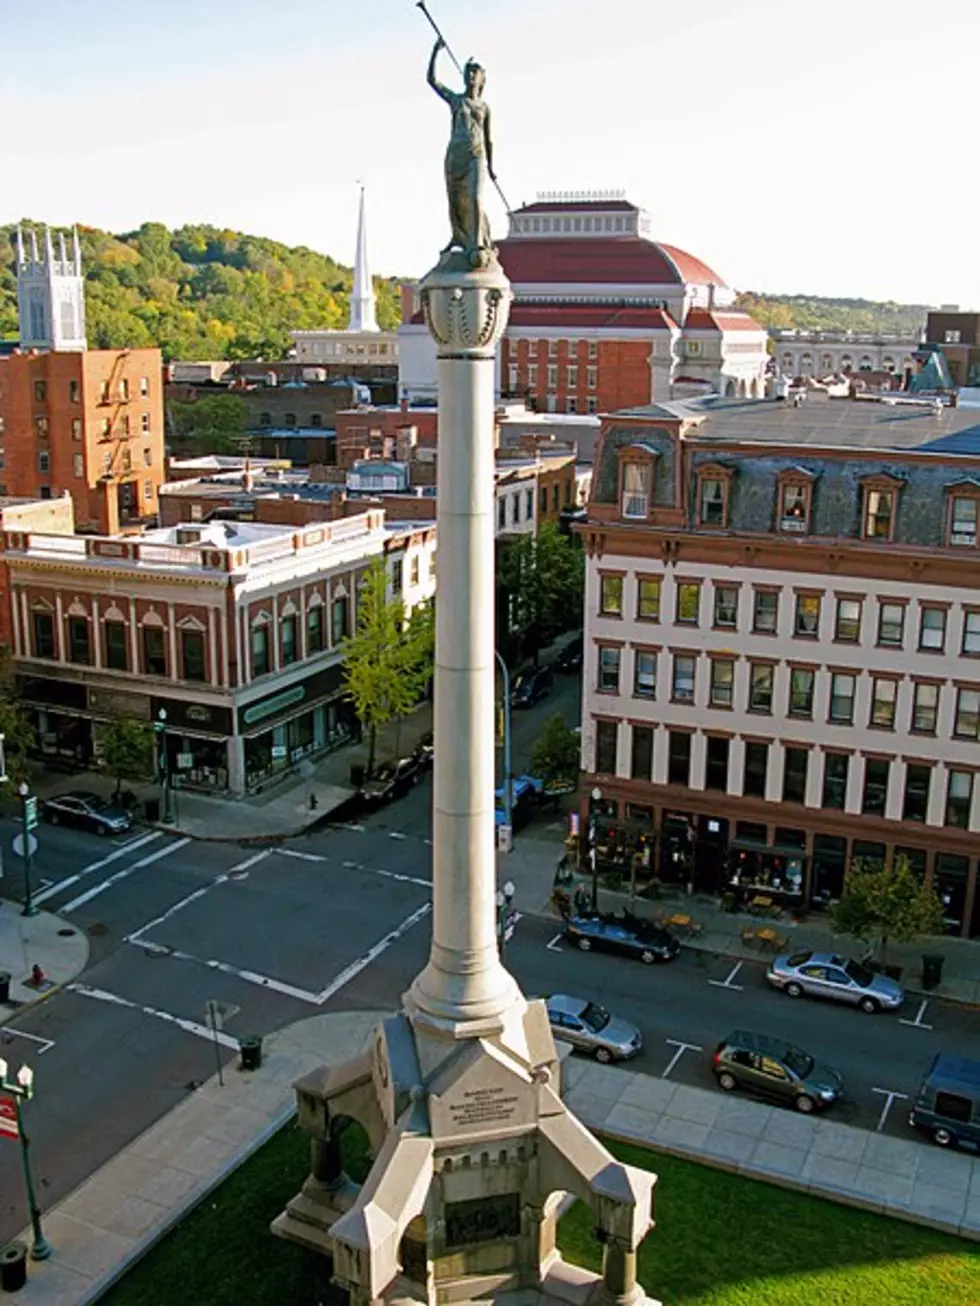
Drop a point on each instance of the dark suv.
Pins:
(531, 686)
(773, 1068)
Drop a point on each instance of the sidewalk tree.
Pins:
(543, 577)
(388, 660)
(127, 749)
(879, 906)
(15, 726)
(556, 754)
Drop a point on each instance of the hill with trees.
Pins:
(816, 313)
(200, 291)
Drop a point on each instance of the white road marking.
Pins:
(374, 953)
(136, 936)
(211, 963)
(889, 1097)
(396, 834)
(918, 1023)
(114, 856)
(97, 889)
(552, 945)
(352, 826)
(302, 856)
(188, 1026)
(351, 866)
(427, 842)
(727, 983)
(44, 1043)
(681, 1049)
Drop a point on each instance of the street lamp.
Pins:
(28, 818)
(160, 726)
(22, 1090)
(505, 897)
(508, 788)
(596, 797)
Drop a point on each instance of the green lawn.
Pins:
(719, 1241)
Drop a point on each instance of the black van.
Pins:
(947, 1106)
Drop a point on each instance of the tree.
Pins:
(879, 905)
(388, 660)
(556, 753)
(213, 424)
(127, 749)
(15, 726)
(543, 577)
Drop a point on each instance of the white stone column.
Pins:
(464, 981)
(736, 766)
(774, 772)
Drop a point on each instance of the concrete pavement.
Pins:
(58, 948)
(115, 1216)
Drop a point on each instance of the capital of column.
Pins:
(465, 309)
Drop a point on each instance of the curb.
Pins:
(17, 1009)
(322, 821)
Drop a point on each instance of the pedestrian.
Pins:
(581, 901)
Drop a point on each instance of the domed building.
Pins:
(605, 317)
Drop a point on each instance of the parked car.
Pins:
(570, 656)
(590, 1028)
(531, 687)
(425, 750)
(631, 938)
(947, 1106)
(841, 979)
(391, 780)
(525, 795)
(773, 1068)
(87, 811)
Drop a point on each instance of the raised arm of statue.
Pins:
(431, 78)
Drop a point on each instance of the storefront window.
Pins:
(949, 883)
(829, 865)
(116, 646)
(154, 651)
(192, 655)
(870, 856)
(916, 860)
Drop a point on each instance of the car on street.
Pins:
(525, 795)
(590, 1028)
(631, 937)
(947, 1105)
(425, 750)
(776, 1069)
(570, 656)
(391, 780)
(87, 811)
(839, 979)
(531, 686)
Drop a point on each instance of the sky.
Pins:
(825, 149)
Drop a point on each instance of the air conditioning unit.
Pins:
(792, 524)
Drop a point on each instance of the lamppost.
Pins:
(28, 817)
(160, 726)
(508, 786)
(505, 897)
(22, 1090)
(596, 797)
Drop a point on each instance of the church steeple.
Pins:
(362, 312)
(50, 294)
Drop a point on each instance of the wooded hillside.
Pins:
(815, 313)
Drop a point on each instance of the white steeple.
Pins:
(50, 295)
(362, 315)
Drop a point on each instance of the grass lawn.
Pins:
(720, 1240)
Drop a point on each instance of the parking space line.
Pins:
(551, 946)
(123, 851)
(302, 856)
(727, 982)
(918, 1023)
(44, 1043)
(100, 888)
(890, 1096)
(188, 1026)
(396, 834)
(681, 1049)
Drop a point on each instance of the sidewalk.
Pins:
(114, 1217)
(43, 940)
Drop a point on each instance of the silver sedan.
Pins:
(590, 1028)
(829, 975)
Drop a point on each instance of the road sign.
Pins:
(505, 837)
(8, 1118)
(216, 1013)
(18, 844)
(30, 812)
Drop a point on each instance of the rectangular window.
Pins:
(647, 599)
(967, 724)
(963, 522)
(76, 429)
(44, 462)
(532, 376)
(73, 392)
(925, 708)
(636, 489)
(611, 596)
(192, 659)
(148, 490)
(716, 764)
(127, 460)
(591, 377)
(916, 802)
(571, 378)
(891, 624)
(884, 695)
(959, 799)
(644, 674)
(103, 392)
(807, 620)
(842, 690)
(801, 681)
(123, 388)
(879, 507)
(760, 687)
(765, 612)
(154, 651)
(722, 682)
(847, 629)
(145, 423)
(688, 604)
(678, 758)
(606, 739)
(314, 625)
(77, 465)
(835, 768)
(794, 775)
(144, 387)
(756, 770)
(552, 348)
(591, 404)
(793, 508)
(41, 426)
(116, 643)
(712, 502)
(105, 429)
(79, 648)
(875, 793)
(609, 659)
(288, 644)
(593, 349)
(726, 606)
(641, 756)
(260, 650)
(683, 682)
(552, 378)
(147, 457)
(571, 404)
(43, 629)
(932, 629)
(971, 633)
(40, 391)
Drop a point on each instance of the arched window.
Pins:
(289, 420)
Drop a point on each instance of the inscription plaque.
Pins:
(484, 1106)
(483, 1219)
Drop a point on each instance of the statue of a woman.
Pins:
(469, 161)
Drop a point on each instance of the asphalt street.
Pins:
(339, 920)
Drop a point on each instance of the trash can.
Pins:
(358, 772)
(932, 970)
(4, 985)
(13, 1267)
(151, 807)
(250, 1046)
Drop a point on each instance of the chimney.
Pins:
(409, 298)
(711, 295)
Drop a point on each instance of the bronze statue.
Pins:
(469, 161)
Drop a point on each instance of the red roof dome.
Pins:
(610, 260)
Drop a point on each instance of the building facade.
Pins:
(782, 670)
(233, 630)
(957, 335)
(839, 353)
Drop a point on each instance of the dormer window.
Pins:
(879, 507)
(714, 482)
(795, 500)
(636, 489)
(964, 510)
